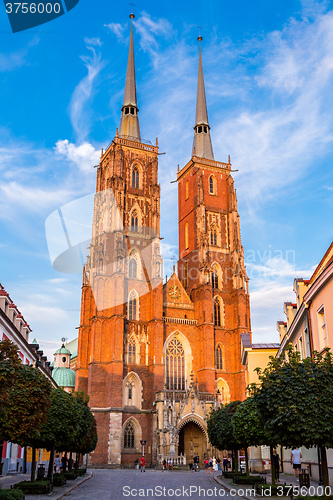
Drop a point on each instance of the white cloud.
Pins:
(84, 156)
(150, 31)
(17, 59)
(117, 29)
(84, 91)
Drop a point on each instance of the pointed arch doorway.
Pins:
(192, 440)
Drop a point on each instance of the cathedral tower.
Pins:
(154, 358)
(211, 260)
(121, 330)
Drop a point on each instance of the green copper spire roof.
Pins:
(64, 377)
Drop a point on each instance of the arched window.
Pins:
(130, 392)
(134, 221)
(132, 268)
(217, 312)
(186, 190)
(211, 185)
(175, 366)
(213, 236)
(215, 280)
(133, 306)
(129, 436)
(186, 235)
(132, 350)
(135, 177)
(218, 357)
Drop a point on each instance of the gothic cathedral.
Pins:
(155, 357)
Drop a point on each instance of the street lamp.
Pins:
(143, 443)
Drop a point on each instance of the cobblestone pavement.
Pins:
(154, 484)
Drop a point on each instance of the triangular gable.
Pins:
(174, 292)
(328, 257)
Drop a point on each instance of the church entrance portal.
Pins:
(192, 440)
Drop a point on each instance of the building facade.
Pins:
(14, 327)
(154, 357)
(309, 327)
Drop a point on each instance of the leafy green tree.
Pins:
(24, 398)
(295, 399)
(220, 429)
(249, 430)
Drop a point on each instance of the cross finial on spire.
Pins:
(132, 16)
(199, 37)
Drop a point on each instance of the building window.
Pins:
(217, 312)
(129, 436)
(134, 221)
(213, 236)
(322, 328)
(132, 271)
(175, 366)
(132, 350)
(186, 190)
(133, 305)
(185, 274)
(186, 236)
(211, 185)
(218, 357)
(215, 280)
(135, 177)
(130, 391)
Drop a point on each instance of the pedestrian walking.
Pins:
(143, 464)
(170, 464)
(276, 462)
(214, 464)
(295, 459)
(57, 464)
(164, 464)
(225, 464)
(218, 461)
(206, 464)
(210, 465)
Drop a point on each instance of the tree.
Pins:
(249, 429)
(295, 400)
(24, 398)
(220, 429)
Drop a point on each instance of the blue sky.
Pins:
(268, 72)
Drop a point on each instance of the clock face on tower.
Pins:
(174, 292)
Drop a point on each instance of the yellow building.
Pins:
(257, 356)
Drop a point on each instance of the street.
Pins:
(122, 484)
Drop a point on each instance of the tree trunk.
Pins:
(247, 462)
(324, 466)
(77, 461)
(236, 460)
(272, 465)
(33, 464)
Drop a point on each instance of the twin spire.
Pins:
(129, 122)
(202, 145)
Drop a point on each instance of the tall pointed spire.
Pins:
(129, 122)
(202, 144)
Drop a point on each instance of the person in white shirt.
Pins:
(295, 459)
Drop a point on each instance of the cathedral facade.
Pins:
(155, 357)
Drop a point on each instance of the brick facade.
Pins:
(147, 352)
